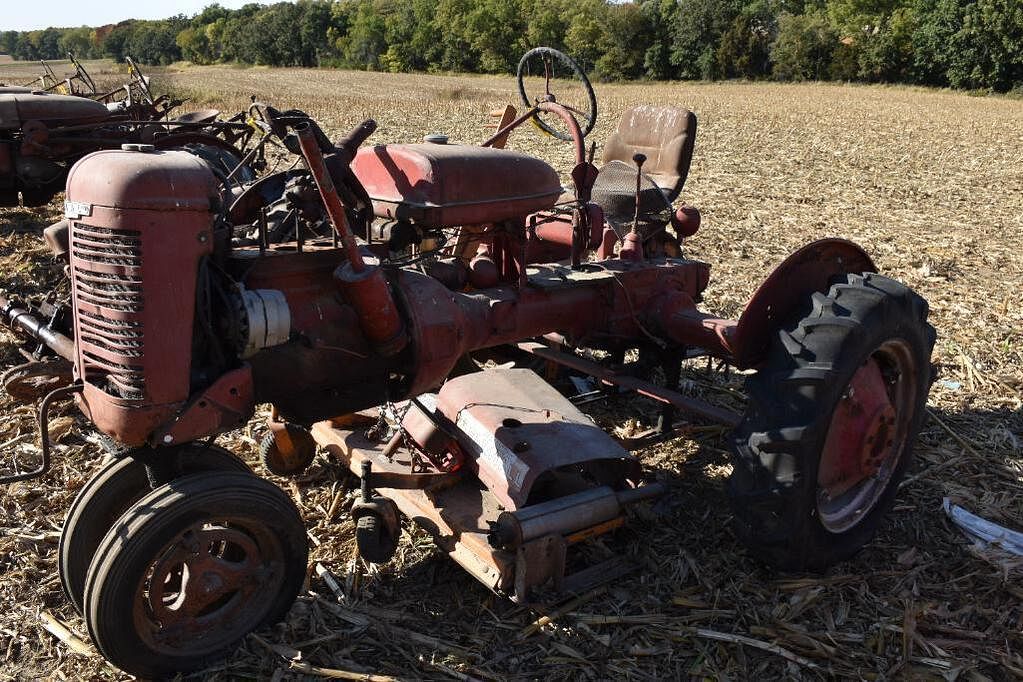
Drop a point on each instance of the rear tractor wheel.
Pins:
(191, 569)
(831, 422)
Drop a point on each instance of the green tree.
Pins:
(493, 29)
(412, 36)
(626, 34)
(313, 22)
(744, 49)
(77, 41)
(454, 51)
(987, 51)
(154, 42)
(367, 37)
(194, 45)
(546, 23)
(661, 16)
(696, 33)
(584, 36)
(804, 46)
(116, 41)
(886, 54)
(854, 17)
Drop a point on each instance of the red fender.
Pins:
(808, 270)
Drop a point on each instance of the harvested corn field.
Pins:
(929, 183)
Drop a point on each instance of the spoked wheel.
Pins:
(112, 490)
(221, 156)
(377, 529)
(191, 569)
(831, 422)
(547, 75)
(290, 457)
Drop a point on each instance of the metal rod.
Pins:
(248, 157)
(552, 108)
(367, 471)
(331, 202)
(646, 388)
(639, 159)
(44, 434)
(31, 325)
(503, 132)
(262, 236)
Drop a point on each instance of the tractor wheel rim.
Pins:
(867, 436)
(203, 589)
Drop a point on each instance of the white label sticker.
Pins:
(77, 209)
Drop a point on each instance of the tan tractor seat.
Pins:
(665, 135)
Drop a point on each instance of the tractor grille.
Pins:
(109, 307)
(107, 246)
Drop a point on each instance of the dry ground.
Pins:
(931, 183)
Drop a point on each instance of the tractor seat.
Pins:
(665, 135)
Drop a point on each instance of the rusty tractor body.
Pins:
(183, 322)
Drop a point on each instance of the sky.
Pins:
(19, 15)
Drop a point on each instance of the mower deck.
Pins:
(458, 512)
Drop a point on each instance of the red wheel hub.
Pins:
(861, 437)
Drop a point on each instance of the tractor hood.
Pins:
(444, 185)
(53, 110)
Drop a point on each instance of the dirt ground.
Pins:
(930, 183)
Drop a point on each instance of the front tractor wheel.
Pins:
(190, 569)
(831, 422)
(109, 493)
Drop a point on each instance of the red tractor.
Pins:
(185, 316)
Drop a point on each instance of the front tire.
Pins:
(118, 485)
(193, 567)
(832, 418)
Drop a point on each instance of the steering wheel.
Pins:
(139, 81)
(538, 70)
(81, 74)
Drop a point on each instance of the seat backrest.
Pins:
(665, 135)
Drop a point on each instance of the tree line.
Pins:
(971, 44)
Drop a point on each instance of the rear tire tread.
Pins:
(773, 485)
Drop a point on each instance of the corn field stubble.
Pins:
(930, 183)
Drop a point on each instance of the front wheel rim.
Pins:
(201, 591)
